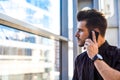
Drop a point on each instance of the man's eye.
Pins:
(79, 31)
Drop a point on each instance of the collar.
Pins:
(104, 46)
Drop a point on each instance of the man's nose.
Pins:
(77, 34)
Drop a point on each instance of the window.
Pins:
(35, 57)
(40, 13)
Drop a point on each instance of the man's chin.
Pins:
(81, 45)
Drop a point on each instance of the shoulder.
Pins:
(118, 52)
(117, 59)
(112, 48)
(115, 52)
(115, 49)
(118, 49)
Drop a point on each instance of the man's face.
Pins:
(82, 33)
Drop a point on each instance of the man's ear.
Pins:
(97, 30)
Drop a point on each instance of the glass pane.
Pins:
(29, 57)
(41, 13)
(107, 7)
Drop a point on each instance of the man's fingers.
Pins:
(89, 40)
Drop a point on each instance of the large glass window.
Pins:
(41, 13)
(26, 56)
(107, 7)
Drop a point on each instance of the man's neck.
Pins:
(101, 41)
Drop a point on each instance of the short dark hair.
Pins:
(94, 19)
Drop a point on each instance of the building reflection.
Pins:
(26, 56)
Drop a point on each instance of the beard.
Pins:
(81, 43)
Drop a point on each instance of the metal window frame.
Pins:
(63, 39)
(64, 44)
(17, 24)
(118, 19)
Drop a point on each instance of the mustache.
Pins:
(78, 38)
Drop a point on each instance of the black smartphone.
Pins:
(96, 34)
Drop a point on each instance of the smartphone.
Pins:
(96, 34)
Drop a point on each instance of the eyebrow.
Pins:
(79, 29)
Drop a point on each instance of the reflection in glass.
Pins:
(29, 57)
(41, 13)
(107, 7)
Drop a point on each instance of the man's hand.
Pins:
(91, 46)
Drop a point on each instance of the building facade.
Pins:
(33, 40)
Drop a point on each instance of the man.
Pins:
(100, 61)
